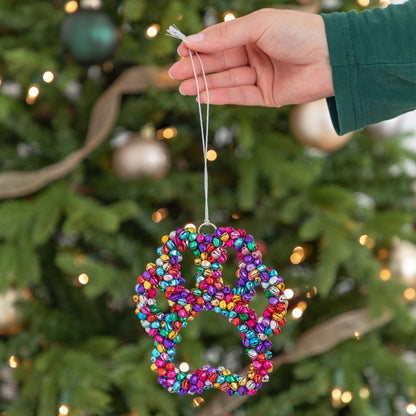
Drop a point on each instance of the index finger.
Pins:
(232, 58)
(225, 35)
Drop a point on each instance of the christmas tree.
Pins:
(101, 157)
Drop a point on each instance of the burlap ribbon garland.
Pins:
(103, 117)
(315, 341)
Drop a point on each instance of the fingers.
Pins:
(226, 35)
(243, 95)
(235, 77)
(217, 62)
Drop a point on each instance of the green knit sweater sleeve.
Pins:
(373, 59)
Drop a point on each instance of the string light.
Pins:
(300, 250)
(383, 4)
(32, 94)
(300, 308)
(156, 217)
(63, 410)
(289, 293)
(409, 293)
(364, 393)
(83, 278)
(169, 133)
(298, 255)
(411, 409)
(71, 6)
(48, 76)
(197, 401)
(385, 274)
(302, 304)
(228, 16)
(363, 3)
(295, 258)
(184, 367)
(365, 240)
(33, 91)
(297, 313)
(160, 215)
(346, 397)
(13, 362)
(235, 216)
(311, 293)
(211, 155)
(152, 31)
(357, 334)
(336, 393)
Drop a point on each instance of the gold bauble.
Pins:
(312, 126)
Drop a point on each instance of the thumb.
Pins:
(225, 35)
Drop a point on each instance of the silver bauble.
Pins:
(142, 155)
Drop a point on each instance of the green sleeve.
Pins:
(373, 59)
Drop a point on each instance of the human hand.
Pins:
(268, 58)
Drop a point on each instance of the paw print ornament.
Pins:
(210, 294)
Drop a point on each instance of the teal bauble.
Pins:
(90, 36)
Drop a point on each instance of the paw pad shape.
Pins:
(210, 293)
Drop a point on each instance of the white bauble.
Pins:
(11, 88)
(312, 126)
(223, 137)
(403, 125)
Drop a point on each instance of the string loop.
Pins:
(174, 32)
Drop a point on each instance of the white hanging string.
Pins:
(176, 33)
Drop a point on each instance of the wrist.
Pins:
(323, 56)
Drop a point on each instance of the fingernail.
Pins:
(170, 75)
(180, 90)
(177, 51)
(194, 38)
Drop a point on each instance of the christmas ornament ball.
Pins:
(402, 125)
(89, 35)
(10, 319)
(402, 261)
(311, 125)
(142, 155)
